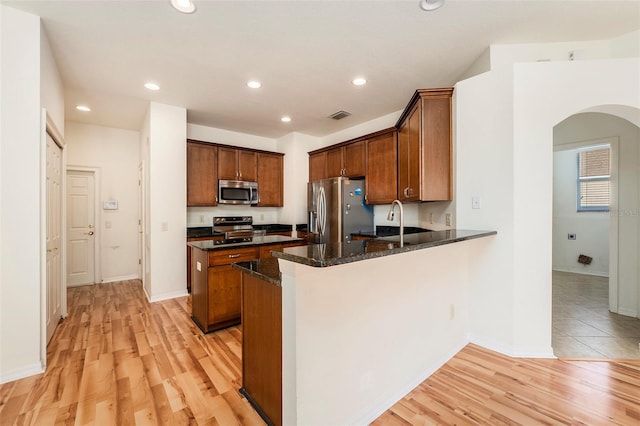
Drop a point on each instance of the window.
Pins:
(594, 179)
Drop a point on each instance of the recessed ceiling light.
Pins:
(286, 119)
(254, 84)
(152, 86)
(430, 5)
(359, 81)
(184, 6)
(83, 108)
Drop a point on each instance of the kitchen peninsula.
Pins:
(337, 333)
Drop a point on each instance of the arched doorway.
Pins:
(594, 306)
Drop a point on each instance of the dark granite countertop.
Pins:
(322, 255)
(209, 245)
(265, 269)
(202, 231)
(274, 227)
(207, 231)
(389, 231)
(302, 227)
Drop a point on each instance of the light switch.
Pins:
(198, 266)
(107, 224)
(165, 226)
(476, 202)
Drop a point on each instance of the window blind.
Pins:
(594, 175)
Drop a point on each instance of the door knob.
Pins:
(90, 233)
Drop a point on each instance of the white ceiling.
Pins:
(304, 52)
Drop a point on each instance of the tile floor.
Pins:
(583, 327)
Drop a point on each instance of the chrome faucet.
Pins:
(390, 218)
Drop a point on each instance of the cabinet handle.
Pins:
(233, 256)
(406, 192)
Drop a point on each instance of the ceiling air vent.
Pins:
(339, 115)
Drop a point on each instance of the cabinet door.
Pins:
(270, 180)
(409, 156)
(335, 167)
(354, 159)
(202, 175)
(436, 149)
(381, 177)
(318, 166)
(247, 165)
(224, 295)
(227, 163)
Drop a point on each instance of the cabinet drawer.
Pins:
(227, 257)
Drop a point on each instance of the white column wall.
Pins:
(484, 168)
(513, 160)
(20, 232)
(167, 187)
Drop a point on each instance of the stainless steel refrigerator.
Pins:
(336, 209)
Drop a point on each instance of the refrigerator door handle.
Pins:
(322, 211)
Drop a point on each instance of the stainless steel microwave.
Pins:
(237, 192)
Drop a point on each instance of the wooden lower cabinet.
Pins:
(262, 346)
(215, 286)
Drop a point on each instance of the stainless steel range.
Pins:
(235, 228)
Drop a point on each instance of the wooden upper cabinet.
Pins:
(409, 157)
(334, 162)
(354, 159)
(381, 177)
(347, 160)
(271, 179)
(424, 147)
(237, 164)
(202, 174)
(317, 166)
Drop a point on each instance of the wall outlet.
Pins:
(430, 217)
(452, 311)
(201, 218)
(261, 216)
(447, 219)
(571, 236)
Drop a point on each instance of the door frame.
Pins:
(48, 127)
(97, 241)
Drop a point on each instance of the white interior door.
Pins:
(80, 228)
(54, 236)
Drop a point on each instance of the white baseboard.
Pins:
(122, 278)
(628, 312)
(511, 351)
(583, 272)
(167, 296)
(387, 401)
(21, 373)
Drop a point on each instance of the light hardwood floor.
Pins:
(118, 360)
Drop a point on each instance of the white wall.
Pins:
(591, 228)
(167, 186)
(116, 153)
(599, 126)
(484, 168)
(51, 88)
(358, 337)
(514, 158)
(625, 46)
(20, 231)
